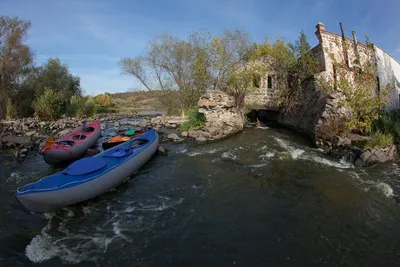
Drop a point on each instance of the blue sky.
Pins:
(91, 36)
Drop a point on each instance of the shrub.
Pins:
(76, 106)
(195, 119)
(379, 140)
(10, 110)
(91, 108)
(47, 105)
(388, 123)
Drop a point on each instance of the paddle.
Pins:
(83, 128)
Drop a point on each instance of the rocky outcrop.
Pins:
(372, 156)
(311, 112)
(333, 118)
(302, 112)
(348, 148)
(221, 117)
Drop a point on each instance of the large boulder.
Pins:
(376, 155)
(221, 117)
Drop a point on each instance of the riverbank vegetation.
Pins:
(181, 70)
(195, 119)
(47, 91)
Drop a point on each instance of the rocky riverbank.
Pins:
(27, 134)
(347, 147)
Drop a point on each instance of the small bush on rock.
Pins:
(379, 140)
(195, 119)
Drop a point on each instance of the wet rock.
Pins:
(23, 152)
(338, 141)
(201, 139)
(161, 150)
(184, 134)
(373, 156)
(174, 137)
(16, 153)
(116, 124)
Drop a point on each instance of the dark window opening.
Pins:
(269, 82)
(378, 84)
(256, 80)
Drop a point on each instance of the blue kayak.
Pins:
(89, 177)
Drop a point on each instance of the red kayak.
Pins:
(73, 145)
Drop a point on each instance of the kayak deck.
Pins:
(109, 160)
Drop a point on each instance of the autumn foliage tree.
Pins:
(15, 58)
(182, 70)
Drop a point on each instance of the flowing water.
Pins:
(261, 198)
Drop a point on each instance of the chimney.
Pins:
(356, 47)
(320, 28)
(344, 46)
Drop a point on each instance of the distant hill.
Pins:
(137, 100)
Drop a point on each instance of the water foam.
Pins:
(260, 165)
(268, 155)
(228, 155)
(385, 189)
(72, 243)
(197, 153)
(341, 164)
(294, 152)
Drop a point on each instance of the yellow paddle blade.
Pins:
(49, 141)
(125, 138)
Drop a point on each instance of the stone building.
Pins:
(343, 49)
(355, 55)
(264, 93)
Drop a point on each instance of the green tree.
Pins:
(240, 82)
(360, 94)
(55, 76)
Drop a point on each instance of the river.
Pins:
(263, 197)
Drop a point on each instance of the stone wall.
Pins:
(262, 95)
(303, 113)
(389, 73)
(343, 50)
(221, 117)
